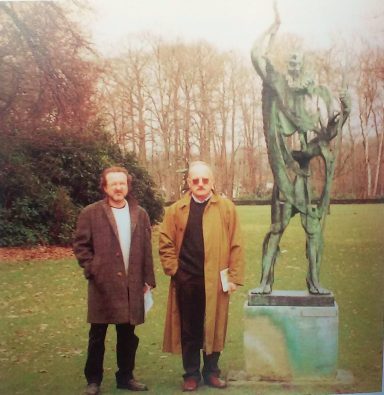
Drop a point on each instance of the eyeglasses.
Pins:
(195, 181)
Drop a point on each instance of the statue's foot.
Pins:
(323, 291)
(262, 289)
(318, 290)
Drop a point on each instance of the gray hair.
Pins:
(197, 163)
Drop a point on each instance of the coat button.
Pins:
(120, 274)
(117, 253)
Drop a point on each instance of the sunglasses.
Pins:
(195, 181)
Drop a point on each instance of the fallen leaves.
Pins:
(18, 254)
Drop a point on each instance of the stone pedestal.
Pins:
(291, 336)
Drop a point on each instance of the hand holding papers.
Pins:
(224, 279)
(225, 283)
(148, 300)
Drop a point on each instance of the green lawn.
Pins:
(43, 306)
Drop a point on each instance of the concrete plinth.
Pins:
(291, 341)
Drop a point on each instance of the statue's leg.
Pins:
(281, 215)
(311, 224)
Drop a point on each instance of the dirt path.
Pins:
(17, 254)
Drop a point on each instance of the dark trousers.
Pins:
(190, 291)
(126, 347)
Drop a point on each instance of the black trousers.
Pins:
(126, 346)
(190, 291)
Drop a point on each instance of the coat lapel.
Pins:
(133, 212)
(111, 219)
(185, 208)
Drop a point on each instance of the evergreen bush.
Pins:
(46, 180)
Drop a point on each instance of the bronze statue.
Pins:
(285, 111)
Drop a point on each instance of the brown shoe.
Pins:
(132, 385)
(215, 382)
(189, 384)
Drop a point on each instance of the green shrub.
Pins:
(47, 179)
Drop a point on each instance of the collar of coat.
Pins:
(133, 212)
(186, 199)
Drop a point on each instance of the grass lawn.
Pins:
(43, 306)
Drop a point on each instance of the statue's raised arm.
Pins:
(263, 44)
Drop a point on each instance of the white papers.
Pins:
(224, 279)
(148, 300)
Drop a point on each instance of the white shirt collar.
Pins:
(201, 201)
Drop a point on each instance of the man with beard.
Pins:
(113, 245)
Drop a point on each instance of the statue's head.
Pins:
(295, 64)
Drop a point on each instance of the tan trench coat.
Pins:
(223, 249)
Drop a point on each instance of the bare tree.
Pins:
(46, 77)
(368, 93)
(172, 102)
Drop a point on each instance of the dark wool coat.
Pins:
(113, 296)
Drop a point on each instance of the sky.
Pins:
(234, 24)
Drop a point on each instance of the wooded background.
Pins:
(169, 102)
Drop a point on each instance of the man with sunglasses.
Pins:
(199, 243)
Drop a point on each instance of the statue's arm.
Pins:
(262, 46)
(336, 122)
(333, 128)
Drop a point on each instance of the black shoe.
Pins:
(92, 389)
(132, 385)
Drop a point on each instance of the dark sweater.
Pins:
(191, 256)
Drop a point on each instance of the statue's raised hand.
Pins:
(277, 15)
